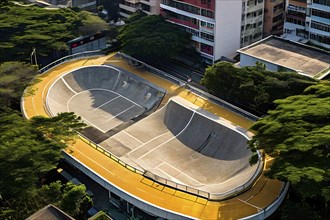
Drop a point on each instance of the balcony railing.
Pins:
(186, 23)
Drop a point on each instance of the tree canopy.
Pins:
(152, 39)
(31, 148)
(14, 77)
(297, 134)
(91, 24)
(72, 199)
(253, 88)
(25, 28)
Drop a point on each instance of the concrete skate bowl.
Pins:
(188, 148)
(105, 97)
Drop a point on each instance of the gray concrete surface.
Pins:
(308, 60)
(103, 96)
(187, 145)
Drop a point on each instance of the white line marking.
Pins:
(67, 85)
(171, 178)
(181, 172)
(92, 160)
(170, 138)
(34, 108)
(249, 204)
(115, 116)
(106, 103)
(84, 119)
(132, 136)
(148, 142)
(116, 94)
(159, 164)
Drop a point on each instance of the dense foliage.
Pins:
(31, 148)
(91, 24)
(297, 134)
(253, 88)
(14, 77)
(28, 150)
(112, 6)
(25, 28)
(152, 39)
(69, 197)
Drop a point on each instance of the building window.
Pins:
(207, 25)
(320, 38)
(207, 13)
(320, 26)
(206, 49)
(322, 2)
(207, 36)
(322, 14)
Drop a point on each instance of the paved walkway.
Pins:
(261, 195)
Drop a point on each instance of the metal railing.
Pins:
(71, 57)
(147, 174)
(270, 209)
(197, 91)
(109, 154)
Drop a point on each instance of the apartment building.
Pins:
(207, 21)
(274, 17)
(218, 28)
(128, 7)
(252, 21)
(308, 21)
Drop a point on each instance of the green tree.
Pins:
(152, 39)
(297, 134)
(112, 7)
(253, 88)
(135, 16)
(75, 201)
(70, 198)
(14, 77)
(29, 149)
(91, 24)
(25, 28)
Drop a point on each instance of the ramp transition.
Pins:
(103, 96)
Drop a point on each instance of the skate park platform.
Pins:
(180, 143)
(257, 202)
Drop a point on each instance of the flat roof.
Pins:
(292, 55)
(50, 212)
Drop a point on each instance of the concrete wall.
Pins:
(227, 28)
(251, 61)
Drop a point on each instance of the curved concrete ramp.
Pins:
(103, 96)
(187, 145)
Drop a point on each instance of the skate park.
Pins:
(153, 195)
(179, 143)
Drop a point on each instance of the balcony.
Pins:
(207, 30)
(185, 13)
(182, 22)
(130, 1)
(320, 7)
(152, 3)
(319, 19)
(133, 8)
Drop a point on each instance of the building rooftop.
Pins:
(50, 212)
(302, 58)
